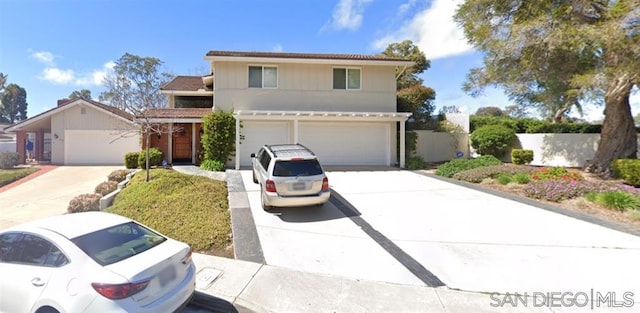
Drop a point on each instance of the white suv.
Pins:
(289, 175)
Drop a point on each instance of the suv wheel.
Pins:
(255, 180)
(264, 206)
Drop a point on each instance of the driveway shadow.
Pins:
(337, 207)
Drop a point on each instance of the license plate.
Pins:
(298, 186)
(167, 275)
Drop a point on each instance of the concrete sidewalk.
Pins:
(254, 287)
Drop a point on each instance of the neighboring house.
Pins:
(7, 140)
(79, 132)
(341, 106)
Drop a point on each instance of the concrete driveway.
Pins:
(50, 193)
(403, 227)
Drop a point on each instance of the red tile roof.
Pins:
(186, 83)
(318, 56)
(176, 113)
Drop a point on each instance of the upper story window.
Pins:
(346, 78)
(263, 77)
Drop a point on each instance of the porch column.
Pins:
(402, 142)
(193, 143)
(295, 131)
(39, 146)
(237, 142)
(170, 144)
(21, 139)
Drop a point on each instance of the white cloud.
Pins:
(59, 76)
(432, 30)
(277, 48)
(347, 14)
(44, 57)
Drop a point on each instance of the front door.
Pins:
(182, 143)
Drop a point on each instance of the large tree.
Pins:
(80, 94)
(134, 84)
(14, 104)
(579, 49)
(412, 96)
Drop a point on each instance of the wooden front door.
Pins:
(182, 142)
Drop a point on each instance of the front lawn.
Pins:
(192, 209)
(7, 176)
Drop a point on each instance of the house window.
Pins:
(346, 78)
(263, 77)
(83, 111)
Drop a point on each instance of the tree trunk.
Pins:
(618, 138)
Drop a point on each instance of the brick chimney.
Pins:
(62, 102)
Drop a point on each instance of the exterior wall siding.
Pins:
(73, 119)
(304, 87)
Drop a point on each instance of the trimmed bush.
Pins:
(219, 136)
(118, 175)
(106, 187)
(628, 170)
(212, 165)
(492, 140)
(458, 165)
(479, 174)
(9, 159)
(84, 203)
(131, 159)
(155, 158)
(521, 156)
(415, 162)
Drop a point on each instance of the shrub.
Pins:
(107, 187)
(84, 203)
(617, 200)
(628, 170)
(131, 159)
(416, 162)
(521, 156)
(458, 165)
(556, 189)
(504, 179)
(522, 178)
(118, 175)
(218, 136)
(477, 175)
(155, 158)
(9, 159)
(492, 140)
(555, 173)
(212, 165)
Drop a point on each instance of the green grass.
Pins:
(616, 200)
(192, 209)
(8, 176)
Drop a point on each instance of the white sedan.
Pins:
(92, 262)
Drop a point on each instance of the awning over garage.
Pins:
(339, 138)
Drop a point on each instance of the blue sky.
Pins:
(52, 48)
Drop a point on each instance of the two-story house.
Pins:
(341, 106)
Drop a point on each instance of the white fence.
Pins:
(7, 146)
(569, 150)
(441, 147)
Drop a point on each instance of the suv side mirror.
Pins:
(253, 155)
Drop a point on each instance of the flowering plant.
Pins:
(556, 173)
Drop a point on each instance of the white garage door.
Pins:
(97, 147)
(347, 143)
(258, 134)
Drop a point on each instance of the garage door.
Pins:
(97, 147)
(258, 134)
(347, 143)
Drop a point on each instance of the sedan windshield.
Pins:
(117, 243)
(297, 168)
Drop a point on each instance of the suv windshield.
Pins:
(117, 243)
(297, 168)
